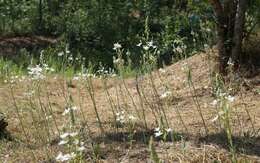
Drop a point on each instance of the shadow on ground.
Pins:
(244, 145)
(141, 137)
(4, 134)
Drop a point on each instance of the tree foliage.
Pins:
(232, 18)
(91, 27)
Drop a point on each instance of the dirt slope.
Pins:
(195, 145)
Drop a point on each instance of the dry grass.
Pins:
(192, 145)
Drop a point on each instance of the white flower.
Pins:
(208, 29)
(82, 148)
(117, 46)
(82, 143)
(230, 62)
(76, 142)
(63, 136)
(158, 134)
(48, 117)
(90, 75)
(120, 117)
(113, 75)
(61, 157)
(222, 94)
(75, 78)
(162, 70)
(157, 129)
(65, 157)
(70, 58)
(51, 69)
(139, 44)
(146, 47)
(63, 142)
(214, 102)
(132, 118)
(166, 94)
(168, 130)
(45, 66)
(72, 155)
(150, 44)
(74, 108)
(73, 134)
(215, 118)
(67, 50)
(206, 46)
(179, 50)
(230, 98)
(67, 110)
(116, 61)
(36, 72)
(60, 54)
(218, 116)
(29, 94)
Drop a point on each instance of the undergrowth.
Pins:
(66, 133)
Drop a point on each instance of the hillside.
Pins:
(164, 92)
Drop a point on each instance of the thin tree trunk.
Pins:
(230, 24)
(238, 31)
(222, 31)
(230, 13)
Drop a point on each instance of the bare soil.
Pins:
(193, 145)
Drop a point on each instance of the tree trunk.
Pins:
(230, 13)
(222, 30)
(230, 24)
(238, 32)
